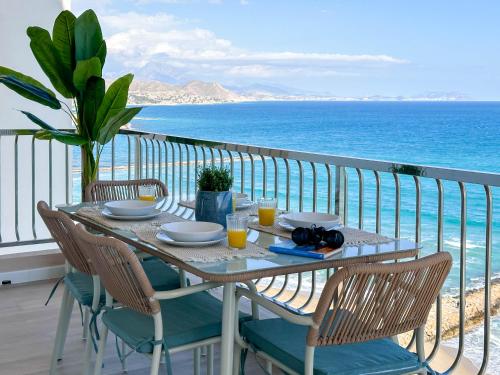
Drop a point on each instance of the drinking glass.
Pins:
(237, 225)
(267, 211)
(147, 193)
(233, 200)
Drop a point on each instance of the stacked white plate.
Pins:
(191, 233)
(291, 221)
(130, 210)
(242, 201)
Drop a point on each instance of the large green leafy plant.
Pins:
(73, 58)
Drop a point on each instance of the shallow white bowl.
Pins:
(306, 219)
(130, 207)
(244, 204)
(241, 198)
(192, 231)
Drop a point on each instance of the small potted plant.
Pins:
(214, 199)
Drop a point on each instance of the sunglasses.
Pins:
(317, 236)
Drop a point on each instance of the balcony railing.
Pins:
(394, 199)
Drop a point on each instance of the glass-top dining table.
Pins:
(228, 272)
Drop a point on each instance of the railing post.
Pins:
(341, 193)
(137, 158)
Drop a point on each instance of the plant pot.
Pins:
(213, 206)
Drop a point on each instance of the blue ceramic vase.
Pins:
(213, 206)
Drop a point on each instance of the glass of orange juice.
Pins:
(147, 193)
(267, 211)
(237, 225)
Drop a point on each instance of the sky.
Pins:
(335, 47)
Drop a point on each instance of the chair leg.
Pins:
(269, 367)
(62, 328)
(96, 298)
(86, 321)
(309, 360)
(197, 360)
(210, 359)
(155, 361)
(124, 362)
(182, 278)
(88, 348)
(100, 352)
(236, 359)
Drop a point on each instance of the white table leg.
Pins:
(227, 340)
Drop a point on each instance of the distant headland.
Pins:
(150, 92)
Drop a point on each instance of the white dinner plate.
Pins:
(153, 214)
(244, 204)
(162, 236)
(240, 197)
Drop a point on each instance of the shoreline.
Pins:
(474, 310)
(171, 104)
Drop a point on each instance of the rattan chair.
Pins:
(122, 189)
(149, 321)
(360, 308)
(82, 283)
(99, 191)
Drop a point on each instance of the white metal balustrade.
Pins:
(385, 197)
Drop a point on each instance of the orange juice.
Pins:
(266, 216)
(147, 197)
(237, 238)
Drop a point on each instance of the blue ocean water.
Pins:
(451, 134)
(464, 135)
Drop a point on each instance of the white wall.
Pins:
(15, 17)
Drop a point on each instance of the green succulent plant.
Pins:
(73, 58)
(214, 179)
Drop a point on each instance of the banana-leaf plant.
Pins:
(73, 58)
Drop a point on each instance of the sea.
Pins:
(463, 135)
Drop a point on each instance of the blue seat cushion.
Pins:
(161, 276)
(286, 342)
(81, 286)
(185, 319)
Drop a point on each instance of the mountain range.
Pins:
(152, 92)
(193, 92)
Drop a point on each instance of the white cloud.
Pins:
(99, 6)
(166, 42)
(257, 71)
(141, 46)
(142, 2)
(310, 57)
(263, 71)
(138, 21)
